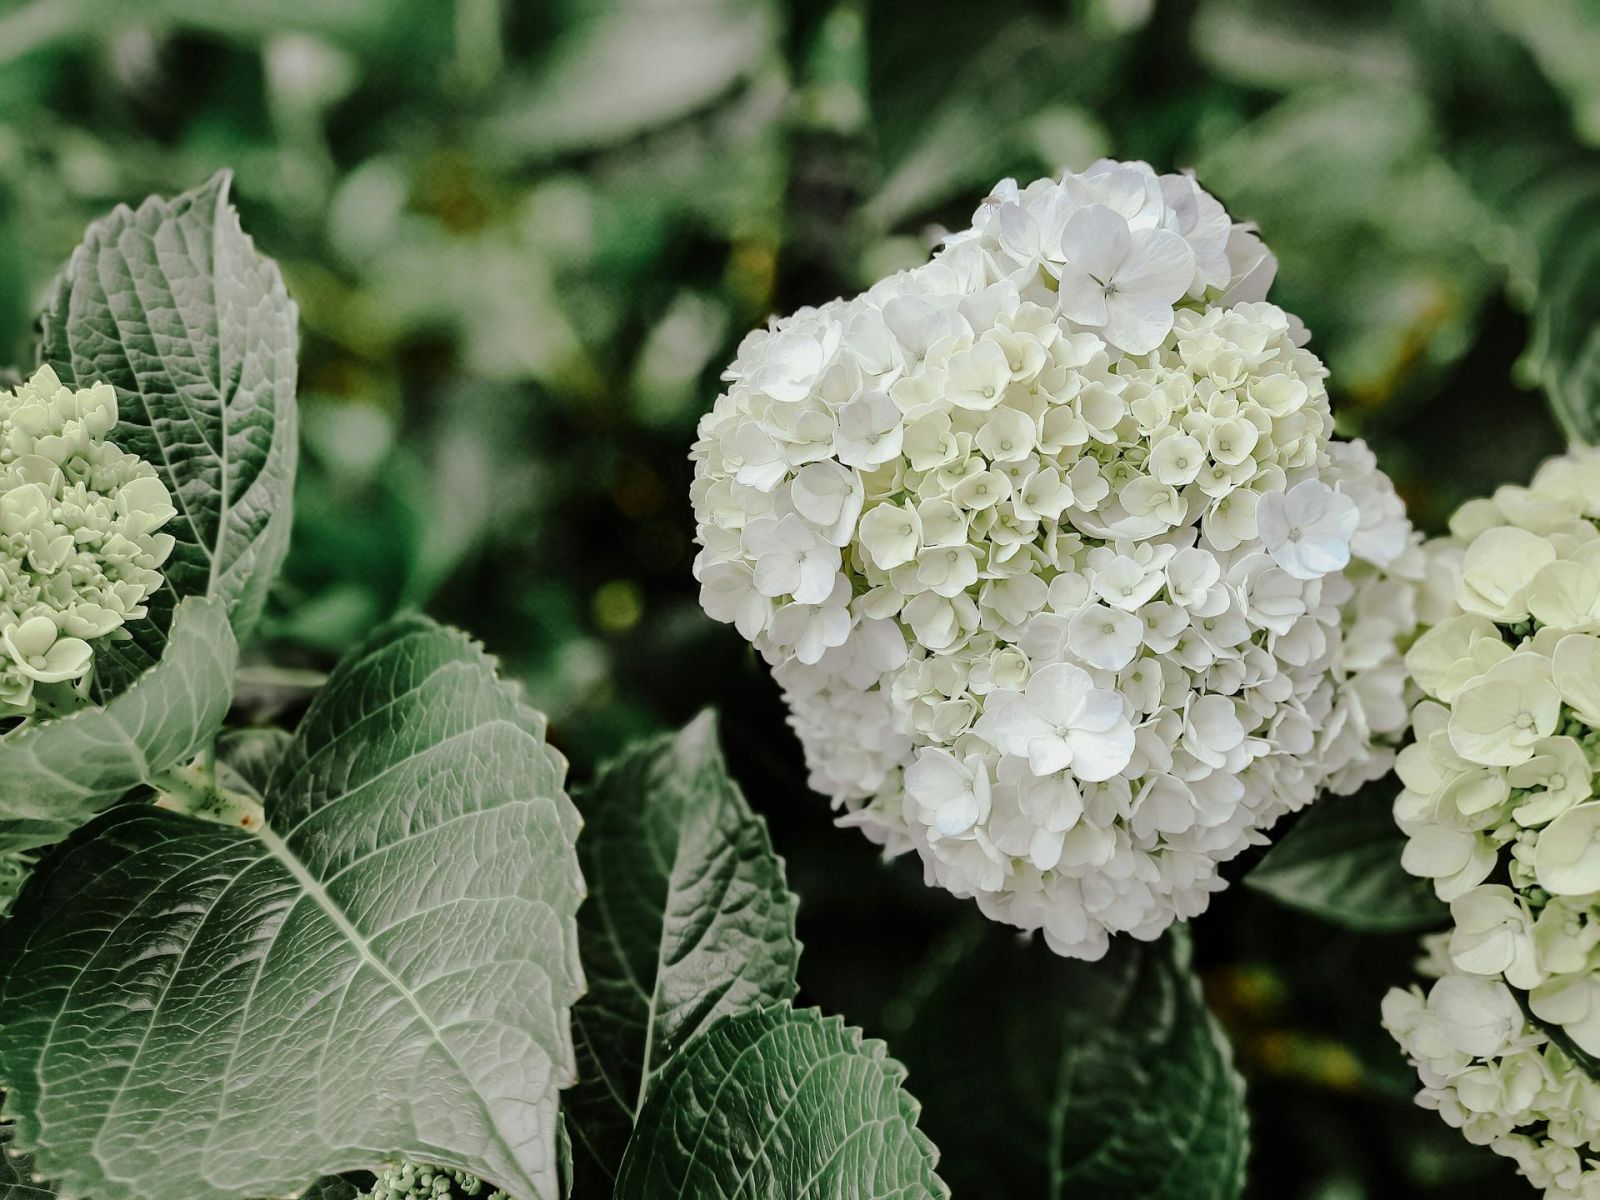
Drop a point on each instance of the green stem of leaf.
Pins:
(194, 791)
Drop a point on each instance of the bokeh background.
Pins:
(525, 236)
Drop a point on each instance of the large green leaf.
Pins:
(173, 305)
(1058, 1078)
(194, 1011)
(780, 1104)
(1341, 862)
(688, 919)
(56, 775)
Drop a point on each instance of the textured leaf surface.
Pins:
(1106, 1079)
(173, 306)
(57, 775)
(193, 1011)
(688, 919)
(780, 1104)
(1341, 862)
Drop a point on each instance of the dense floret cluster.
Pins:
(80, 551)
(1500, 812)
(413, 1181)
(1049, 548)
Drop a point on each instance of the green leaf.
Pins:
(661, 63)
(1378, 240)
(173, 305)
(194, 1011)
(57, 775)
(1106, 1079)
(688, 919)
(1545, 193)
(1341, 862)
(16, 1173)
(780, 1104)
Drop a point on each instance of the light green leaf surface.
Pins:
(1107, 1079)
(688, 919)
(780, 1104)
(194, 1012)
(173, 306)
(1341, 862)
(56, 775)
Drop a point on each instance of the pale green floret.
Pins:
(79, 548)
(413, 1181)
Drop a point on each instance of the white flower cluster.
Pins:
(1500, 811)
(79, 547)
(1498, 1077)
(1049, 549)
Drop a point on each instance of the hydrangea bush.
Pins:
(81, 546)
(1501, 814)
(1066, 583)
(1070, 589)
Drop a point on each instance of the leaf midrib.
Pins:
(654, 1000)
(314, 891)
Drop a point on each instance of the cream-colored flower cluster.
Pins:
(1497, 1076)
(1046, 541)
(80, 551)
(1499, 803)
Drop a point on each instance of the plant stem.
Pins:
(286, 678)
(195, 791)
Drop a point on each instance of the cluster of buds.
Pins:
(80, 544)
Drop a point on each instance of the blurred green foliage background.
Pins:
(525, 236)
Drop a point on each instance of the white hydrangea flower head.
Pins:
(80, 547)
(1067, 587)
(1500, 811)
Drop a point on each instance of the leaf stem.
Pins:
(195, 791)
(267, 676)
